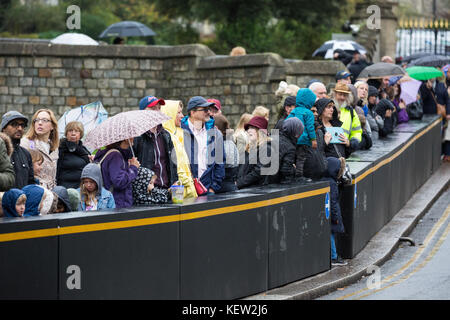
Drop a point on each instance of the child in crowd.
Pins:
(144, 190)
(13, 203)
(92, 194)
(40, 201)
(38, 159)
(74, 198)
(63, 204)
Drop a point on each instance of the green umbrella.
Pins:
(423, 73)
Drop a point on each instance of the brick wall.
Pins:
(37, 75)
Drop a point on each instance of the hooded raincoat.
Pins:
(34, 195)
(176, 133)
(105, 199)
(304, 101)
(9, 201)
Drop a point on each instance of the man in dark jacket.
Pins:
(357, 65)
(14, 124)
(154, 149)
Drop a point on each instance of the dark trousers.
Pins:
(300, 157)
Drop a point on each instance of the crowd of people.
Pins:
(315, 132)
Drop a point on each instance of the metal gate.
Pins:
(421, 35)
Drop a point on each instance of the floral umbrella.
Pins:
(123, 126)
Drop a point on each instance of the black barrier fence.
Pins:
(215, 247)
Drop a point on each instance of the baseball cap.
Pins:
(342, 75)
(216, 103)
(198, 101)
(10, 116)
(150, 101)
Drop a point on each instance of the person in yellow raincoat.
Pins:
(174, 109)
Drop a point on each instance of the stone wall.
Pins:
(36, 75)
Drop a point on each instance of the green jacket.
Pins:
(7, 174)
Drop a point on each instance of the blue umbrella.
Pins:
(127, 29)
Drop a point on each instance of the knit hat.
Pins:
(216, 102)
(321, 105)
(74, 198)
(289, 101)
(10, 116)
(372, 91)
(342, 87)
(149, 102)
(258, 122)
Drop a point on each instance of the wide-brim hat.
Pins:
(342, 87)
(258, 122)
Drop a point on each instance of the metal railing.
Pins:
(423, 35)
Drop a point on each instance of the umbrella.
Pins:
(123, 126)
(127, 29)
(415, 56)
(423, 73)
(409, 89)
(381, 70)
(326, 50)
(90, 115)
(431, 61)
(74, 38)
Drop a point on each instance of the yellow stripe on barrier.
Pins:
(395, 155)
(50, 232)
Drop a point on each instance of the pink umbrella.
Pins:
(410, 88)
(123, 126)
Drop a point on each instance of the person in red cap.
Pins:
(251, 171)
(216, 108)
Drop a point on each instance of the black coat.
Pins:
(250, 171)
(23, 166)
(145, 152)
(440, 94)
(286, 173)
(72, 159)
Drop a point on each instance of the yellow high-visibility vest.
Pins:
(352, 128)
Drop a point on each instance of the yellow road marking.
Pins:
(414, 258)
(49, 232)
(419, 267)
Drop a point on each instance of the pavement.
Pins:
(378, 250)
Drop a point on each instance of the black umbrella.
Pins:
(380, 70)
(415, 56)
(127, 29)
(433, 60)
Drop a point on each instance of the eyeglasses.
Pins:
(203, 109)
(42, 120)
(18, 124)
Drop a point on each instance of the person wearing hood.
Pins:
(154, 148)
(40, 201)
(375, 121)
(13, 203)
(118, 168)
(174, 109)
(291, 130)
(14, 124)
(93, 196)
(7, 175)
(204, 145)
(304, 101)
(384, 109)
(63, 204)
(73, 156)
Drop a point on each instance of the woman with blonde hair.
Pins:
(251, 170)
(261, 111)
(240, 137)
(43, 136)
